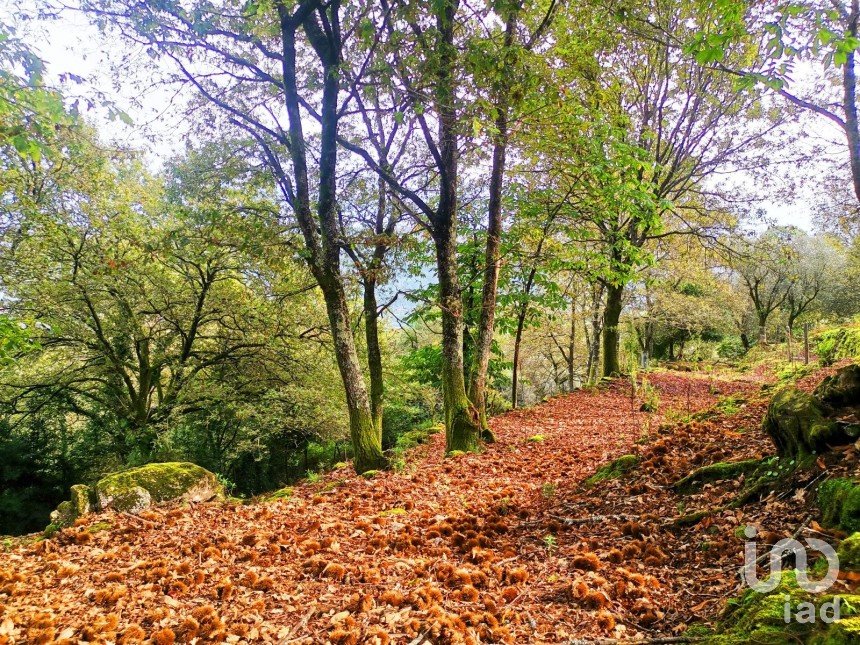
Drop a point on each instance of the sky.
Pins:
(71, 45)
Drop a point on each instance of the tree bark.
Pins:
(611, 332)
(518, 337)
(486, 325)
(849, 101)
(762, 326)
(374, 353)
(596, 333)
(571, 345)
(462, 428)
(322, 236)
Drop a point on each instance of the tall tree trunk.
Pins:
(462, 428)
(571, 347)
(611, 332)
(486, 325)
(849, 101)
(374, 353)
(762, 327)
(322, 236)
(518, 337)
(596, 333)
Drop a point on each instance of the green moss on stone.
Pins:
(796, 423)
(614, 469)
(760, 618)
(839, 501)
(715, 472)
(842, 632)
(849, 553)
(841, 388)
(81, 499)
(128, 490)
(370, 474)
(835, 344)
(538, 438)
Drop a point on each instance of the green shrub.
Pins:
(731, 348)
(835, 344)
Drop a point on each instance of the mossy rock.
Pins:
(839, 501)
(538, 438)
(849, 553)
(67, 512)
(760, 617)
(370, 474)
(841, 632)
(614, 469)
(797, 424)
(840, 389)
(715, 472)
(135, 489)
(834, 344)
(455, 453)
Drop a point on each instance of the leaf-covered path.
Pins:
(505, 546)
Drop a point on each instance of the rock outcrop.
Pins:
(138, 488)
(801, 424)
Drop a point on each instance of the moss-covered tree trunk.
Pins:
(611, 331)
(462, 428)
(461, 418)
(322, 234)
(374, 352)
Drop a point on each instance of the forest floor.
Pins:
(506, 546)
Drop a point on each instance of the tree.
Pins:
(247, 64)
(816, 265)
(762, 264)
(823, 32)
(642, 129)
(138, 296)
(426, 83)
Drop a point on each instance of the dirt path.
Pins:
(470, 549)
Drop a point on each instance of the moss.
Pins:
(160, 482)
(98, 527)
(849, 553)
(835, 344)
(64, 515)
(538, 438)
(283, 493)
(842, 388)
(796, 423)
(729, 405)
(51, 530)
(393, 512)
(614, 469)
(455, 453)
(715, 472)
(795, 371)
(81, 499)
(370, 474)
(760, 618)
(839, 501)
(340, 464)
(842, 632)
